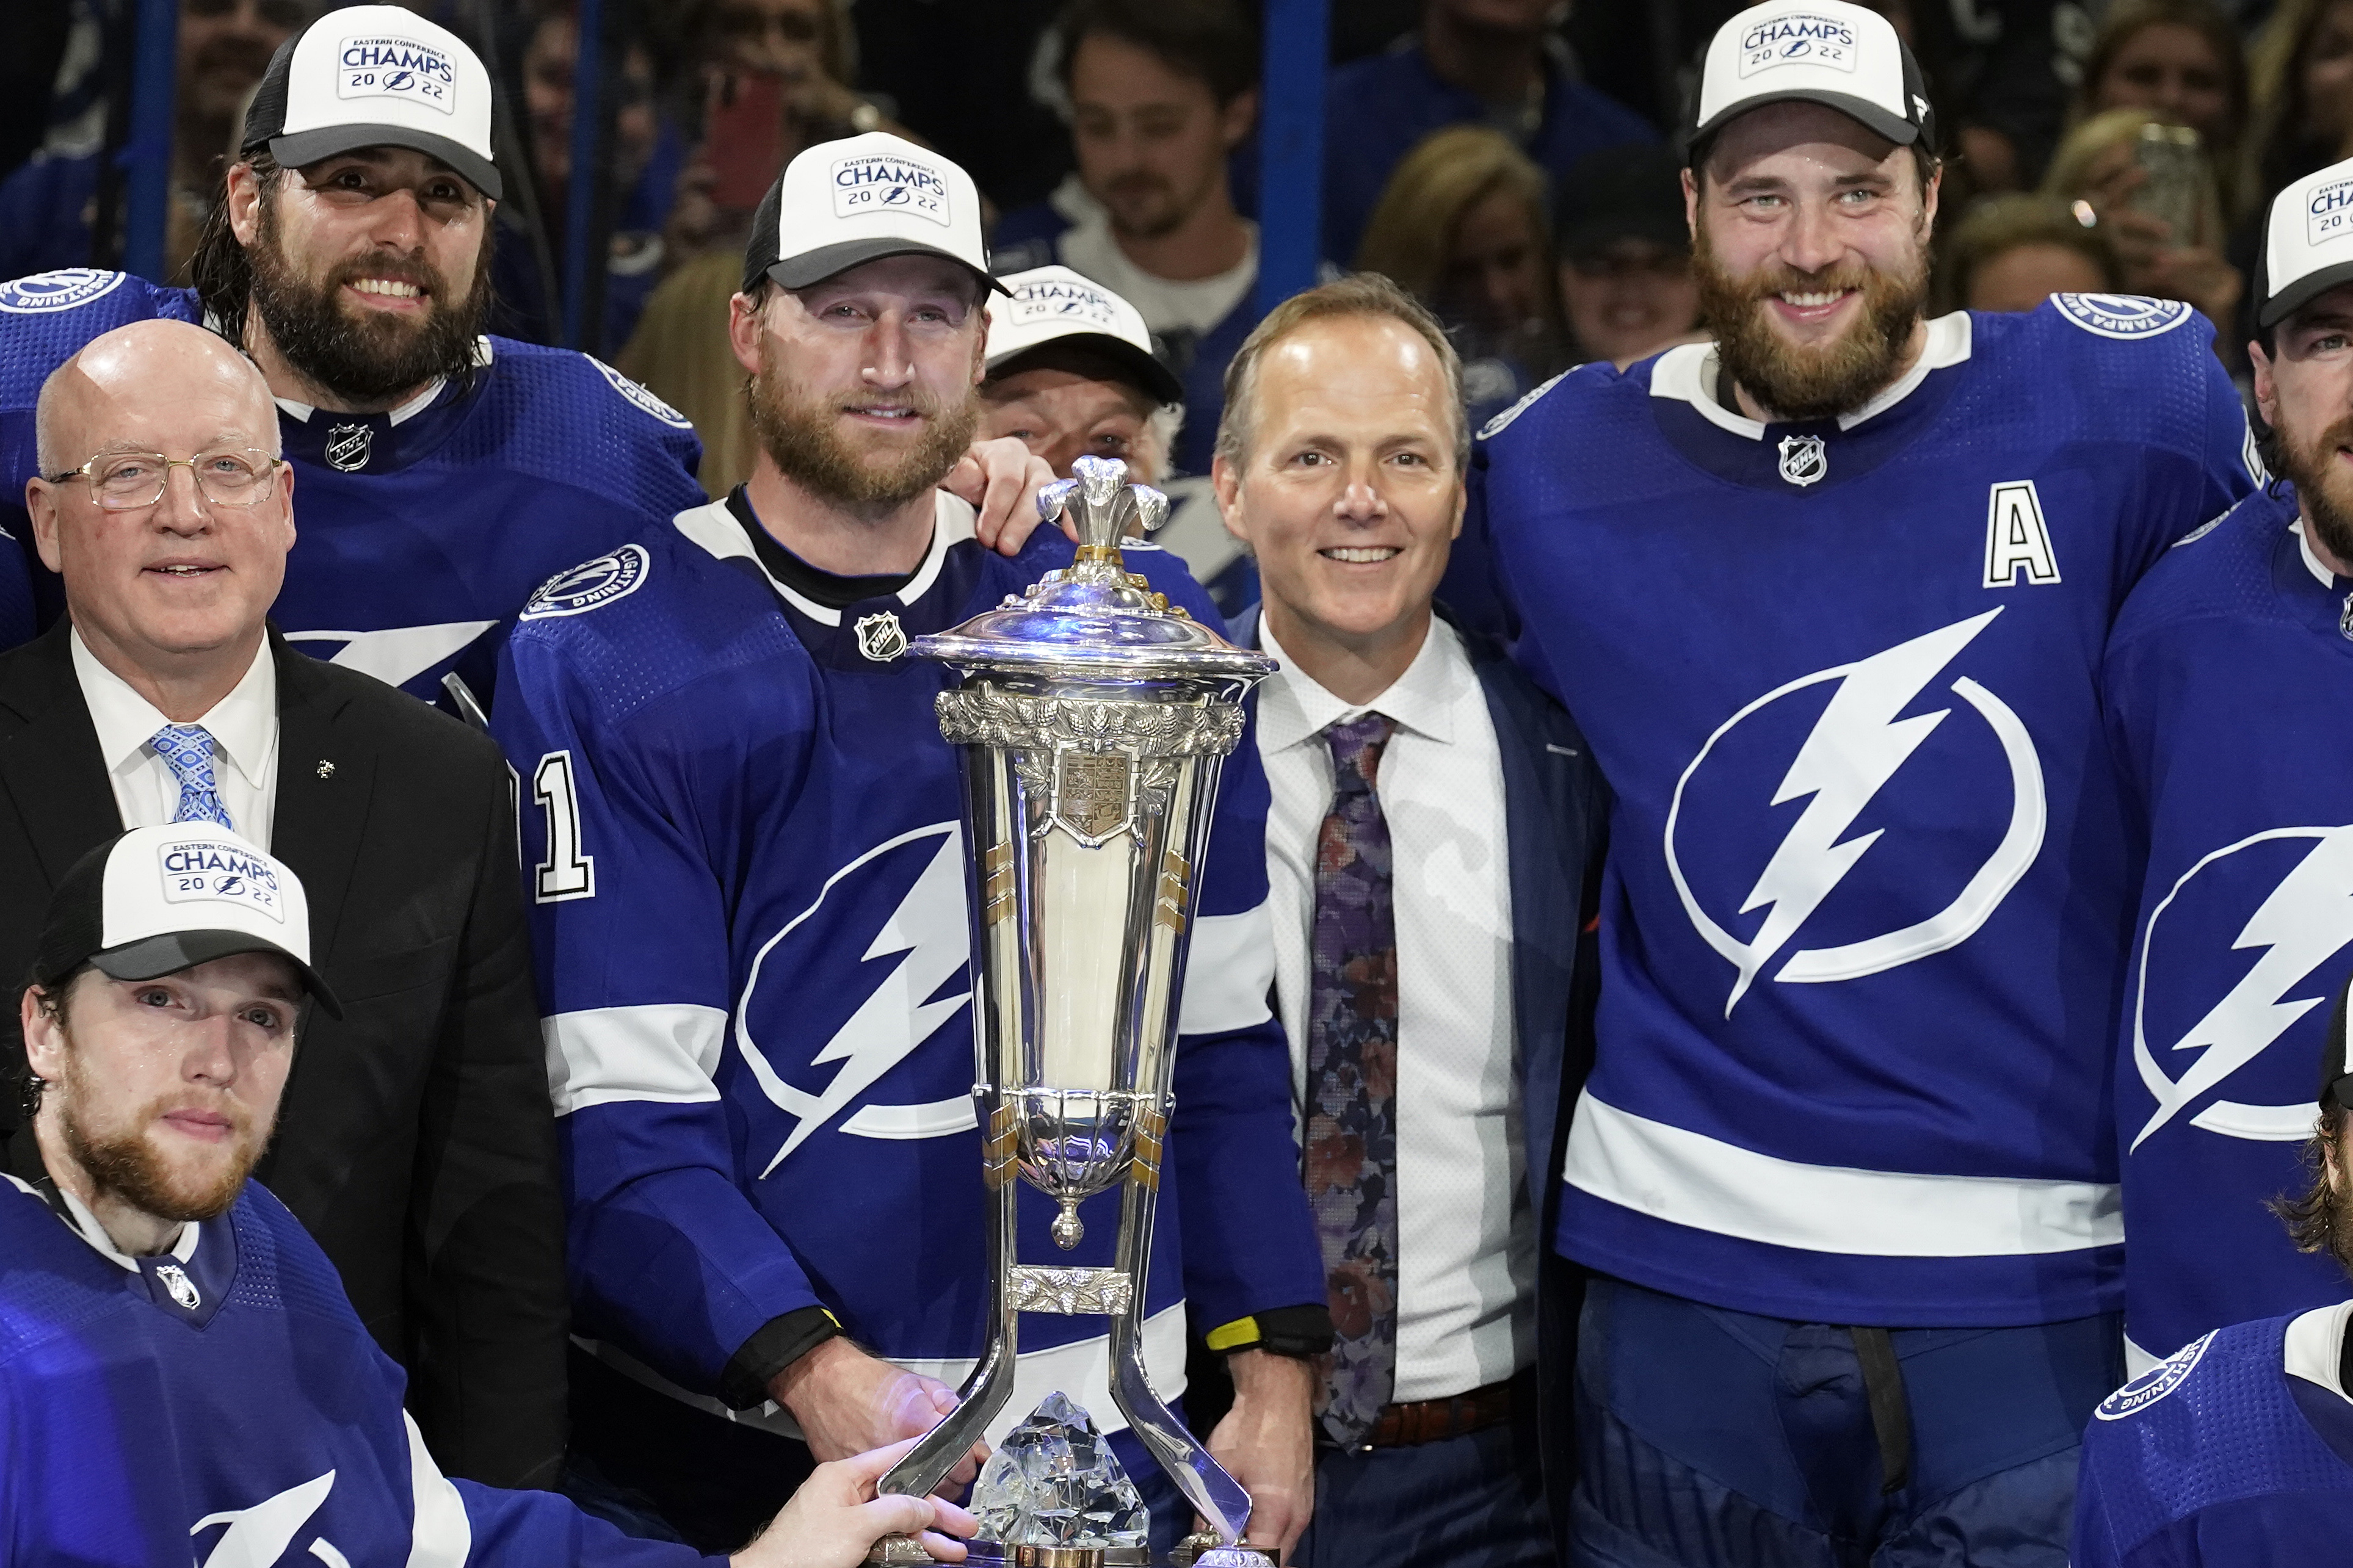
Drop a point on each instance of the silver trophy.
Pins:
(1093, 719)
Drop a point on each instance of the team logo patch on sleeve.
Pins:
(2125, 316)
(60, 290)
(591, 584)
(2157, 1383)
(636, 393)
(1495, 426)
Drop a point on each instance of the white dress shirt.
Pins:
(1466, 1253)
(244, 727)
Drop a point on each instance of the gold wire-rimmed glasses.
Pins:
(127, 481)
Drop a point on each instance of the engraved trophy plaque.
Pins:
(1092, 720)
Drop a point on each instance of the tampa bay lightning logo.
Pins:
(637, 394)
(869, 971)
(2157, 1383)
(591, 584)
(2122, 315)
(1502, 422)
(2205, 1014)
(1859, 747)
(259, 1536)
(59, 290)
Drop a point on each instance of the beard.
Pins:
(800, 434)
(2321, 483)
(376, 357)
(126, 1164)
(1818, 381)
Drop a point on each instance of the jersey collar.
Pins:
(713, 529)
(2312, 562)
(1688, 373)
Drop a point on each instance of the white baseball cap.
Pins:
(1055, 305)
(2307, 244)
(1812, 51)
(375, 76)
(859, 199)
(160, 900)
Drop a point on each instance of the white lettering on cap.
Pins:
(218, 871)
(1043, 300)
(2328, 211)
(397, 68)
(1797, 38)
(873, 184)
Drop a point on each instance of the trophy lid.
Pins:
(1095, 617)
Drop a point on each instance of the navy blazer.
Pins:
(1556, 809)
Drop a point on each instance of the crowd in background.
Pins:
(1505, 160)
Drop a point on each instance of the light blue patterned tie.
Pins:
(188, 751)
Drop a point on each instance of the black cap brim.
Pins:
(813, 267)
(2336, 1082)
(154, 957)
(309, 146)
(1157, 381)
(1873, 117)
(2272, 311)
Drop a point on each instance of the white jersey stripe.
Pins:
(662, 1051)
(1230, 974)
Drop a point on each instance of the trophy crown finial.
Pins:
(1099, 500)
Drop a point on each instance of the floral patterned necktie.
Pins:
(1351, 1016)
(188, 751)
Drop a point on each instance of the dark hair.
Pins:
(2311, 1217)
(220, 270)
(2004, 223)
(1210, 40)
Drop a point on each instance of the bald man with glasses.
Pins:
(417, 1141)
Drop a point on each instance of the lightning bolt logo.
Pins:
(1855, 747)
(2303, 923)
(929, 928)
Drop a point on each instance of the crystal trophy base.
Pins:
(1053, 1495)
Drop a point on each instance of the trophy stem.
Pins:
(983, 1393)
(1215, 1495)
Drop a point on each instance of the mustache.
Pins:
(391, 265)
(1779, 277)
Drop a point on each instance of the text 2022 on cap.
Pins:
(375, 76)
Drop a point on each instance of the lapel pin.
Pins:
(326, 770)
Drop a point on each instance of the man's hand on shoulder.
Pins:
(835, 1518)
(847, 1403)
(1001, 478)
(1267, 1441)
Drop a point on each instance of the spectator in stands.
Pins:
(2012, 252)
(1463, 227)
(1071, 374)
(2182, 61)
(645, 153)
(1492, 62)
(1160, 91)
(46, 208)
(1625, 256)
(2301, 88)
(679, 352)
(2098, 163)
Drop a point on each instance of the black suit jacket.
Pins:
(1556, 812)
(416, 1141)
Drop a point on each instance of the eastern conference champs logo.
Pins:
(1797, 38)
(874, 183)
(899, 910)
(2285, 898)
(591, 584)
(397, 68)
(215, 870)
(59, 290)
(1053, 299)
(1857, 747)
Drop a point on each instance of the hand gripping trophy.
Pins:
(1092, 720)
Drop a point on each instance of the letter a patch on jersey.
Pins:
(2016, 539)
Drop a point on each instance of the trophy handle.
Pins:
(983, 1393)
(1215, 1495)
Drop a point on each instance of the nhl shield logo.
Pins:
(348, 446)
(183, 1289)
(881, 637)
(1804, 459)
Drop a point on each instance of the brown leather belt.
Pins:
(1434, 1420)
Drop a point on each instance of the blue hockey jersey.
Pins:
(2237, 1452)
(749, 917)
(222, 1403)
(1863, 924)
(419, 532)
(2230, 689)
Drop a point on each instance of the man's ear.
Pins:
(743, 331)
(1235, 120)
(244, 197)
(41, 501)
(1226, 480)
(2266, 384)
(44, 1040)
